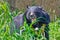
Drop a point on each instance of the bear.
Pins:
(34, 14)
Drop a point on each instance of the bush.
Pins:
(6, 17)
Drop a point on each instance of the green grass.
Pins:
(6, 17)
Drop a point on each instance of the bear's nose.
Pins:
(32, 16)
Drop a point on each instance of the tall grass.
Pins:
(6, 17)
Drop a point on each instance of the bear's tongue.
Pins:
(33, 19)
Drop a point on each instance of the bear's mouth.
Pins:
(33, 20)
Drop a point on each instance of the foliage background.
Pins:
(50, 6)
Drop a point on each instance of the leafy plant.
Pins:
(6, 17)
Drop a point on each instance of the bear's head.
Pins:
(37, 16)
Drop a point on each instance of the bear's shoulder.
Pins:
(18, 20)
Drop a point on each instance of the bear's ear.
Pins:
(40, 7)
(28, 6)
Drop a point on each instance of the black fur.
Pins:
(41, 15)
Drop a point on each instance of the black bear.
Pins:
(32, 14)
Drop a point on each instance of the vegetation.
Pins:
(6, 17)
